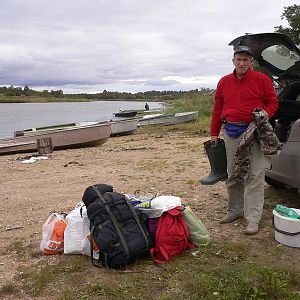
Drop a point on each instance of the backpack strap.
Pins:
(162, 251)
(138, 222)
(81, 210)
(115, 222)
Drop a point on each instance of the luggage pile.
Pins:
(115, 229)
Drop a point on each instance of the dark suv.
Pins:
(278, 55)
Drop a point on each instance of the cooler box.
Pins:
(287, 230)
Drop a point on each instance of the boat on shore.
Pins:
(124, 126)
(168, 119)
(62, 137)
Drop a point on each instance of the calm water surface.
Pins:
(18, 116)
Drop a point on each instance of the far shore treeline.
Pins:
(13, 94)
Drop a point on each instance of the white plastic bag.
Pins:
(150, 212)
(165, 202)
(78, 226)
(53, 234)
(86, 246)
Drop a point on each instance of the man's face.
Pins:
(242, 62)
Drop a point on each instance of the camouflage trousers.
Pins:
(246, 197)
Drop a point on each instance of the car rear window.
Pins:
(280, 56)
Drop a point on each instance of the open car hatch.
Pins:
(276, 52)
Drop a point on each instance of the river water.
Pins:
(18, 116)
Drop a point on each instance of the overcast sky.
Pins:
(125, 45)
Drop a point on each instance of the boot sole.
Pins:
(213, 182)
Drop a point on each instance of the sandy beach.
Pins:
(166, 164)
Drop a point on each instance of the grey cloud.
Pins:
(125, 44)
(160, 82)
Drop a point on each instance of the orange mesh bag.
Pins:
(53, 234)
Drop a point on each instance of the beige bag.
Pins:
(199, 235)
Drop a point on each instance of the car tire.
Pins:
(274, 183)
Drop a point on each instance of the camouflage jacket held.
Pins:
(261, 130)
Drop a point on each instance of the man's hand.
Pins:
(214, 138)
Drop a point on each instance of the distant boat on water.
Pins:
(63, 136)
(128, 113)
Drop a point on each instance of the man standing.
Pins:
(237, 95)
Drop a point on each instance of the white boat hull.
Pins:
(168, 119)
(124, 127)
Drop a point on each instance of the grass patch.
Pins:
(239, 282)
(218, 271)
(186, 163)
(199, 126)
(8, 289)
(151, 165)
(182, 166)
(191, 181)
(191, 102)
(51, 275)
(179, 170)
(23, 250)
(17, 247)
(190, 147)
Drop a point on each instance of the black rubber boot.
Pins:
(218, 163)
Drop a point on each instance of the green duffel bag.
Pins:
(199, 235)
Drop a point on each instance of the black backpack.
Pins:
(117, 230)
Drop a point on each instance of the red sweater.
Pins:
(236, 98)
